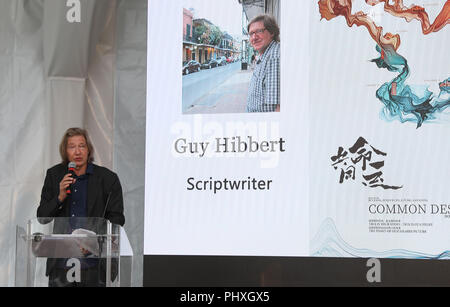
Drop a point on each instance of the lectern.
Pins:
(72, 251)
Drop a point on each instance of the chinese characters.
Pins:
(365, 158)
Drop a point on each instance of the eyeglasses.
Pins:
(260, 31)
(81, 147)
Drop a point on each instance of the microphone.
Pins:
(71, 166)
(107, 203)
(101, 238)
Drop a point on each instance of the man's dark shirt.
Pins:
(78, 197)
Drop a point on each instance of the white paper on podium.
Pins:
(71, 245)
(57, 246)
(87, 240)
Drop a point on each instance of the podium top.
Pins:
(72, 237)
(93, 226)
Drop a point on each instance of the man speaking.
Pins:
(87, 191)
(264, 90)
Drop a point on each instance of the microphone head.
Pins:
(72, 165)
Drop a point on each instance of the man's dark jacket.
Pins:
(103, 189)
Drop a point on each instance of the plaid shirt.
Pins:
(264, 90)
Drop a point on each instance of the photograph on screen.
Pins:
(231, 58)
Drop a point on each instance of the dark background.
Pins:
(208, 271)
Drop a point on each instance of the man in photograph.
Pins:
(87, 191)
(264, 90)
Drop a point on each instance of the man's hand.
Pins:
(85, 252)
(63, 185)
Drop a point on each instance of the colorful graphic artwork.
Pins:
(406, 103)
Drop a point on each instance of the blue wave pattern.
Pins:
(328, 243)
(404, 102)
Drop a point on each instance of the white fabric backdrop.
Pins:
(55, 75)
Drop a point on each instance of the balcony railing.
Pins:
(189, 39)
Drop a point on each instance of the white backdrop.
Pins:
(55, 75)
